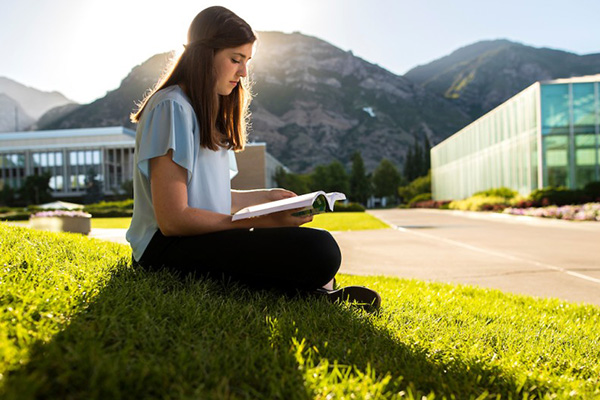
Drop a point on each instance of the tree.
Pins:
(359, 182)
(386, 179)
(7, 196)
(36, 189)
(418, 160)
(93, 187)
(298, 184)
(330, 178)
(127, 188)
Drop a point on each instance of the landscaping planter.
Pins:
(67, 221)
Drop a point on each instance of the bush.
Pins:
(14, 215)
(592, 189)
(418, 186)
(559, 196)
(349, 207)
(440, 204)
(123, 204)
(480, 203)
(110, 209)
(419, 198)
(498, 192)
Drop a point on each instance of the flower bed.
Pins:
(62, 221)
(585, 212)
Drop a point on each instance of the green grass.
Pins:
(346, 221)
(78, 322)
(338, 221)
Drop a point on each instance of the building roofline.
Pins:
(67, 133)
(574, 79)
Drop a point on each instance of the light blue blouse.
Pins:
(169, 122)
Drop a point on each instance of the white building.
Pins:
(71, 155)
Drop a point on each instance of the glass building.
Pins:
(547, 135)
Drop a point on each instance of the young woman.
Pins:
(188, 128)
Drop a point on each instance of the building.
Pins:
(547, 135)
(72, 155)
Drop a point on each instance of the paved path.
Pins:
(547, 258)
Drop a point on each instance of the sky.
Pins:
(84, 48)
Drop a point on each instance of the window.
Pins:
(555, 109)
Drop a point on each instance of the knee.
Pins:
(326, 255)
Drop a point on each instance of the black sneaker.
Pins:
(362, 296)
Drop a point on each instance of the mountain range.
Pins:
(315, 103)
(21, 106)
(481, 76)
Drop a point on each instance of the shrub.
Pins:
(559, 196)
(592, 189)
(110, 209)
(416, 187)
(441, 204)
(419, 198)
(15, 215)
(349, 207)
(480, 203)
(498, 192)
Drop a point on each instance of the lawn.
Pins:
(78, 322)
(338, 221)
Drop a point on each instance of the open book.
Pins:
(310, 203)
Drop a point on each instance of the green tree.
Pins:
(417, 161)
(386, 179)
(93, 187)
(359, 182)
(297, 183)
(127, 188)
(330, 178)
(36, 189)
(7, 196)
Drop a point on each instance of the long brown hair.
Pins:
(222, 119)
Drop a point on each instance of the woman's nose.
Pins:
(243, 70)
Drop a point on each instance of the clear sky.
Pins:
(84, 48)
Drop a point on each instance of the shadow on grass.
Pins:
(151, 335)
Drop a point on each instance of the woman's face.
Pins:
(231, 64)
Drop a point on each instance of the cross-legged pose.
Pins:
(188, 129)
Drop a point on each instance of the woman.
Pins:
(188, 128)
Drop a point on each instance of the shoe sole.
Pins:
(362, 296)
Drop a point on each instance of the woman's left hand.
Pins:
(278, 194)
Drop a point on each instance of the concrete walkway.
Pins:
(526, 255)
(533, 256)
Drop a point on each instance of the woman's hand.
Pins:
(278, 194)
(246, 198)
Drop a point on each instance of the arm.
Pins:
(176, 218)
(246, 198)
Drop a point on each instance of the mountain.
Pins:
(114, 108)
(483, 75)
(12, 116)
(314, 103)
(34, 102)
(53, 115)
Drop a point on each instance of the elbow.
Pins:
(169, 228)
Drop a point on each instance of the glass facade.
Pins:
(501, 149)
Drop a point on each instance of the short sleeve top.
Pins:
(169, 123)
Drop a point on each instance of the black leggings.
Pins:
(286, 258)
